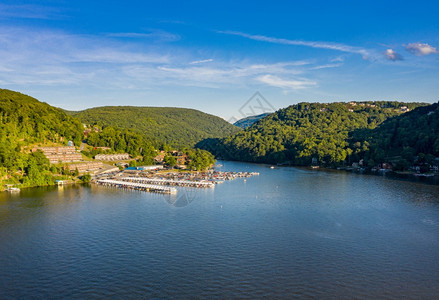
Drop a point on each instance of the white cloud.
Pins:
(50, 57)
(322, 45)
(195, 62)
(285, 84)
(47, 57)
(420, 49)
(157, 35)
(327, 66)
(392, 55)
(216, 74)
(337, 59)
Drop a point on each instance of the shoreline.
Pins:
(408, 176)
(65, 182)
(423, 178)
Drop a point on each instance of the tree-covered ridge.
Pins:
(25, 118)
(301, 132)
(402, 138)
(177, 127)
(25, 121)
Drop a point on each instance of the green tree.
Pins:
(86, 178)
(170, 160)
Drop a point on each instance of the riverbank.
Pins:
(425, 178)
(55, 183)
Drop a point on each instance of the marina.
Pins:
(170, 182)
(159, 182)
(213, 176)
(137, 186)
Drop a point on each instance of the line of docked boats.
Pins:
(162, 182)
(137, 186)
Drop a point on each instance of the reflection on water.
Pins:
(286, 233)
(186, 196)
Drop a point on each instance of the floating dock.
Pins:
(137, 186)
(172, 182)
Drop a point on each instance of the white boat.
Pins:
(13, 190)
(272, 167)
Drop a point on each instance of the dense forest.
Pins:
(178, 127)
(413, 136)
(121, 140)
(24, 122)
(307, 132)
(199, 160)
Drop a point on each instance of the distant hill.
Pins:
(306, 131)
(176, 126)
(249, 121)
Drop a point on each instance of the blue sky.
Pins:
(213, 56)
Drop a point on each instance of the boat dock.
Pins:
(137, 186)
(171, 182)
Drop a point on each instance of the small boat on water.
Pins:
(314, 167)
(13, 189)
(423, 175)
(272, 167)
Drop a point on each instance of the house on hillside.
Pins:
(160, 157)
(145, 168)
(112, 157)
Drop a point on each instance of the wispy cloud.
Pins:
(285, 84)
(51, 57)
(28, 11)
(44, 57)
(392, 55)
(238, 73)
(195, 62)
(326, 66)
(420, 49)
(321, 45)
(157, 35)
(337, 59)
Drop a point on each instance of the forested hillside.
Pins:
(26, 121)
(121, 140)
(400, 139)
(326, 134)
(177, 127)
(301, 132)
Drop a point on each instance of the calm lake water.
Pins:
(286, 233)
